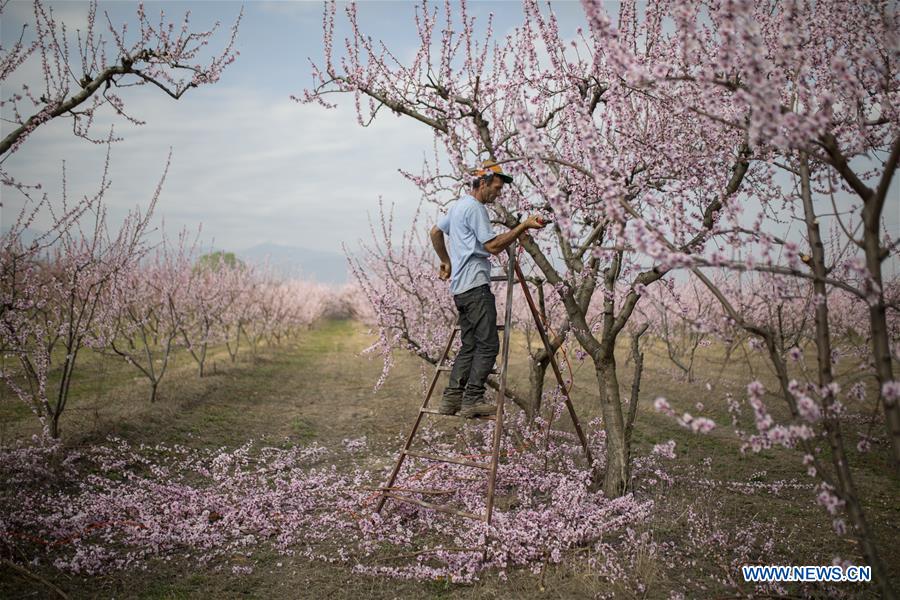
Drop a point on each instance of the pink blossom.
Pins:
(808, 409)
(666, 450)
(891, 391)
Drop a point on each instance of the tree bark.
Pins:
(635, 386)
(881, 348)
(617, 475)
(847, 487)
(537, 370)
(873, 206)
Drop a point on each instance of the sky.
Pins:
(249, 165)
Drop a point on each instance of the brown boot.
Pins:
(449, 406)
(479, 409)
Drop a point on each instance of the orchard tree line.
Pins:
(81, 284)
(141, 305)
(725, 165)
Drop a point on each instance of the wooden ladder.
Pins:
(514, 275)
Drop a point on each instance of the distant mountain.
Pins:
(292, 261)
(288, 261)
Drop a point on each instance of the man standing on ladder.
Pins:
(472, 241)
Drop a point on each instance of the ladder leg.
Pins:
(501, 394)
(415, 427)
(555, 365)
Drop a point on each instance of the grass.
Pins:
(319, 388)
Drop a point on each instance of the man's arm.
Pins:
(504, 240)
(437, 240)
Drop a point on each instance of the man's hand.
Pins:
(445, 271)
(502, 241)
(535, 222)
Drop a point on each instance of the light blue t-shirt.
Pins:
(468, 226)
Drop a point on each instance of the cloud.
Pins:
(73, 14)
(248, 163)
(251, 166)
(308, 13)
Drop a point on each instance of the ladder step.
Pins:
(448, 368)
(434, 411)
(500, 327)
(448, 459)
(432, 506)
(416, 491)
(503, 278)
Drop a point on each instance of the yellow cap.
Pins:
(489, 167)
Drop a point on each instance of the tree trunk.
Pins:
(831, 422)
(638, 357)
(881, 349)
(54, 426)
(537, 370)
(617, 476)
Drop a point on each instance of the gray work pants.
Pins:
(480, 345)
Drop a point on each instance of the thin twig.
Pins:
(26, 573)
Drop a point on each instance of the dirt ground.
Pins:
(319, 388)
